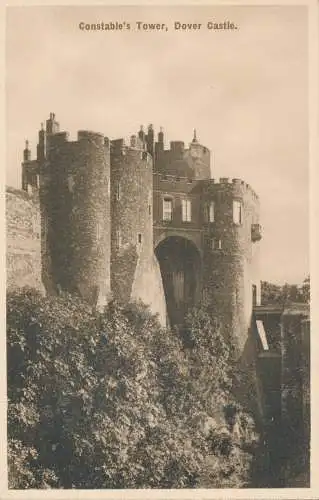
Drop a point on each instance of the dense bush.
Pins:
(112, 400)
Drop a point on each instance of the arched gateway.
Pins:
(180, 265)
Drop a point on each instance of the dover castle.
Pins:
(103, 218)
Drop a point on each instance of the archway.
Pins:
(180, 265)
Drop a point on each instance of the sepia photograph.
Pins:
(157, 247)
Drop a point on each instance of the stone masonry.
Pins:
(138, 221)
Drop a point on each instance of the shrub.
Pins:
(112, 400)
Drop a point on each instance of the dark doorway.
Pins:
(179, 261)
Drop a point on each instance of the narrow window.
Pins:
(237, 212)
(98, 231)
(149, 210)
(139, 238)
(118, 191)
(211, 212)
(167, 209)
(186, 211)
(118, 239)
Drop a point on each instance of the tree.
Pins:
(112, 400)
(306, 289)
(272, 294)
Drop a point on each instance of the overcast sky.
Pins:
(245, 91)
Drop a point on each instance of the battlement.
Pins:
(209, 184)
(135, 148)
(178, 147)
(227, 183)
(97, 138)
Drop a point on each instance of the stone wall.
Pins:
(148, 287)
(23, 241)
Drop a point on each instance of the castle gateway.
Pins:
(139, 221)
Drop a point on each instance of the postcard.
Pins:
(159, 211)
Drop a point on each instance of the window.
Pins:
(98, 231)
(186, 211)
(118, 239)
(216, 244)
(167, 209)
(237, 212)
(118, 191)
(211, 212)
(139, 238)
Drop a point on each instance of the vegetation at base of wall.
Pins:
(112, 400)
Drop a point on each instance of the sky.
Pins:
(244, 90)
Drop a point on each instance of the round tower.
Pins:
(131, 213)
(75, 206)
(230, 237)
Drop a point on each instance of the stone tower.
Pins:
(139, 221)
(74, 179)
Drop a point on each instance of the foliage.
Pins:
(112, 400)
(281, 294)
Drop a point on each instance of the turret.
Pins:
(75, 212)
(141, 136)
(41, 144)
(160, 136)
(231, 232)
(131, 215)
(52, 126)
(159, 146)
(26, 152)
(150, 140)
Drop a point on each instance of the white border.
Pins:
(272, 493)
